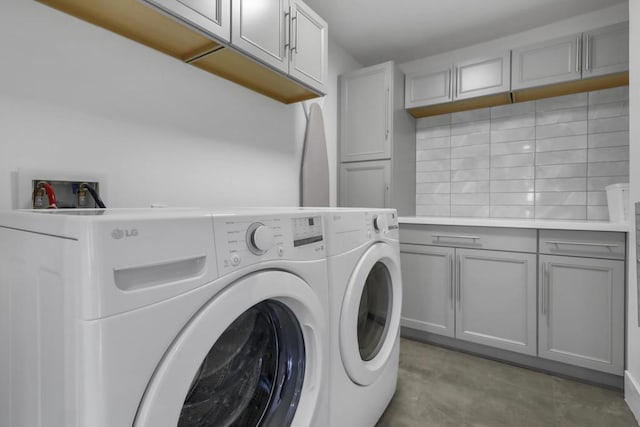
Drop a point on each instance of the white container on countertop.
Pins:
(618, 201)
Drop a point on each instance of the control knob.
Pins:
(379, 223)
(259, 238)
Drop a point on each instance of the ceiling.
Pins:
(374, 31)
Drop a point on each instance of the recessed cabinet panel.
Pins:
(428, 88)
(308, 46)
(496, 299)
(581, 312)
(483, 77)
(366, 108)
(427, 289)
(259, 28)
(212, 17)
(546, 63)
(365, 184)
(606, 50)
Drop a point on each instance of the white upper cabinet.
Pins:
(211, 17)
(308, 45)
(549, 62)
(428, 88)
(606, 50)
(366, 109)
(286, 35)
(578, 56)
(260, 29)
(483, 76)
(465, 79)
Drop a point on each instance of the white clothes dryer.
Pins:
(365, 297)
(163, 318)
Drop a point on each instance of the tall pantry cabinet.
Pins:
(377, 141)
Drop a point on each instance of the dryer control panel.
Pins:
(243, 240)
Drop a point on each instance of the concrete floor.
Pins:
(439, 387)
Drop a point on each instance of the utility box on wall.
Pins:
(72, 190)
(69, 194)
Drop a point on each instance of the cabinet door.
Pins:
(365, 117)
(428, 88)
(259, 29)
(365, 184)
(582, 312)
(212, 17)
(553, 61)
(496, 299)
(427, 288)
(606, 50)
(308, 46)
(485, 76)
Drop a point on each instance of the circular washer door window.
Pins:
(370, 316)
(253, 374)
(374, 311)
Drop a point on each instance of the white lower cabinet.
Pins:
(582, 312)
(427, 293)
(483, 296)
(555, 294)
(496, 299)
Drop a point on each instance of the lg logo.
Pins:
(118, 233)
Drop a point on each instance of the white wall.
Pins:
(632, 380)
(75, 97)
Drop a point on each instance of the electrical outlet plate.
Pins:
(64, 183)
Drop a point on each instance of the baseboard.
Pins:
(632, 394)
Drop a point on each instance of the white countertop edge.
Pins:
(519, 223)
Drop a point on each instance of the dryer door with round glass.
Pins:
(249, 358)
(370, 316)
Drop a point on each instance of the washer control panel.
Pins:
(243, 240)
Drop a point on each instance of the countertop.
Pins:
(518, 223)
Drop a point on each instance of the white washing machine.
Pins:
(365, 297)
(158, 318)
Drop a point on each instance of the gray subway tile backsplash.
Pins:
(610, 139)
(470, 151)
(609, 154)
(521, 172)
(561, 171)
(471, 116)
(613, 109)
(606, 96)
(508, 135)
(550, 158)
(561, 129)
(561, 157)
(609, 124)
(513, 160)
(470, 139)
(466, 128)
(561, 116)
(551, 198)
(561, 143)
(561, 184)
(620, 168)
(597, 213)
(518, 147)
(470, 175)
(513, 109)
(562, 102)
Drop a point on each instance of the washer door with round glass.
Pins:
(250, 358)
(370, 317)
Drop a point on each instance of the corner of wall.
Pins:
(632, 394)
